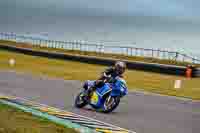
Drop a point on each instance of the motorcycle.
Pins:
(105, 98)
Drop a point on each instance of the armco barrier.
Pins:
(153, 67)
(196, 72)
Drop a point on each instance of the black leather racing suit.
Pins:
(110, 74)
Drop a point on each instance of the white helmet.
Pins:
(120, 67)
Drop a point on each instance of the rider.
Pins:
(110, 73)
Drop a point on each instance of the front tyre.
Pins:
(110, 104)
(79, 101)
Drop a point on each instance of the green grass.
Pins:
(99, 55)
(69, 70)
(13, 120)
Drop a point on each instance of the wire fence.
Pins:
(77, 45)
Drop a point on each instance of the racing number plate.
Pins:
(94, 98)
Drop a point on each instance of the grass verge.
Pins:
(70, 70)
(13, 120)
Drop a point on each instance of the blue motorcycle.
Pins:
(105, 98)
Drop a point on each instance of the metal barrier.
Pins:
(152, 67)
(128, 51)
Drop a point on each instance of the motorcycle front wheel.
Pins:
(110, 104)
(79, 101)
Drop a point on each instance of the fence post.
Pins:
(136, 50)
(169, 55)
(127, 51)
(36, 40)
(80, 43)
(43, 42)
(1, 36)
(96, 50)
(50, 43)
(158, 53)
(102, 49)
(86, 47)
(54, 43)
(152, 53)
(61, 45)
(8, 37)
(73, 45)
(131, 51)
(176, 56)
(81, 47)
(65, 45)
(141, 52)
(76, 45)
(58, 44)
(40, 41)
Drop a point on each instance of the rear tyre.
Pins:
(111, 104)
(79, 101)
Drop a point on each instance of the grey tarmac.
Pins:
(139, 112)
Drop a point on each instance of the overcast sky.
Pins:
(179, 8)
(175, 19)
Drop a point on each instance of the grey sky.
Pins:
(181, 8)
(150, 23)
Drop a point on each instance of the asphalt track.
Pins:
(143, 113)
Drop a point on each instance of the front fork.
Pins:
(109, 98)
(109, 101)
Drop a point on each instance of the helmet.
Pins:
(120, 67)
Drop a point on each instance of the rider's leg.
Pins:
(92, 88)
(89, 86)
